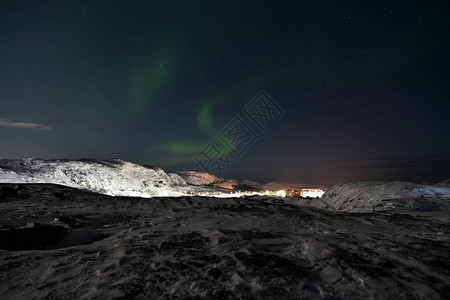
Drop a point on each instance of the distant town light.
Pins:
(281, 193)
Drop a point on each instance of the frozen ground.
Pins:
(59, 243)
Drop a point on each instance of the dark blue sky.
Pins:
(364, 84)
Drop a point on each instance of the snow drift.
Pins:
(368, 196)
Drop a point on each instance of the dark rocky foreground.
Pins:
(58, 243)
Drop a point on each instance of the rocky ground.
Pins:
(57, 242)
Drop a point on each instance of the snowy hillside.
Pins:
(198, 178)
(367, 196)
(206, 179)
(120, 178)
(115, 177)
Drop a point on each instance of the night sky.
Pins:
(364, 85)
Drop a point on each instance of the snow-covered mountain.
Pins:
(206, 179)
(120, 178)
(367, 196)
(198, 178)
(113, 177)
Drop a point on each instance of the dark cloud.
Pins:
(25, 125)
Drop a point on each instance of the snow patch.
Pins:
(367, 196)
